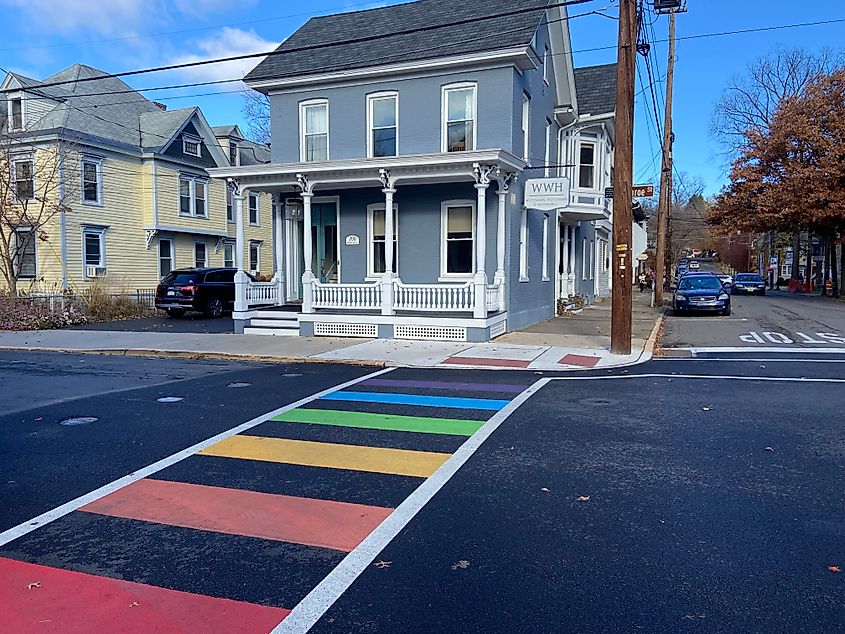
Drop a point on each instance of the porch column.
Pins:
(564, 274)
(241, 280)
(482, 183)
(307, 250)
(570, 277)
(279, 238)
(387, 279)
(504, 180)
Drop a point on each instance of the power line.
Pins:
(311, 47)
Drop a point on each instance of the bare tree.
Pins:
(256, 109)
(34, 190)
(750, 99)
(688, 216)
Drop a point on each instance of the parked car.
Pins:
(749, 283)
(210, 291)
(694, 265)
(701, 292)
(727, 280)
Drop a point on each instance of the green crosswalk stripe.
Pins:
(388, 422)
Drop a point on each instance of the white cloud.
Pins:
(227, 42)
(67, 16)
(204, 7)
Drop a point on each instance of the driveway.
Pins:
(191, 323)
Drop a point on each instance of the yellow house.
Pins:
(135, 196)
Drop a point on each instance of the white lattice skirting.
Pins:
(433, 333)
(363, 331)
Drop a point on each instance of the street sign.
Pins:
(643, 191)
(608, 192)
(773, 260)
(546, 194)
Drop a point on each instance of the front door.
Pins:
(324, 242)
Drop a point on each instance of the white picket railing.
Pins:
(347, 296)
(262, 293)
(493, 297)
(433, 297)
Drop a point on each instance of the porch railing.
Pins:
(494, 297)
(433, 297)
(347, 296)
(262, 293)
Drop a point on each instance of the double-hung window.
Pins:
(383, 124)
(25, 265)
(587, 165)
(193, 196)
(459, 113)
(165, 256)
(526, 123)
(233, 152)
(92, 181)
(229, 255)
(16, 114)
(230, 206)
(24, 179)
(458, 226)
(377, 256)
(314, 130)
(254, 209)
(94, 247)
(200, 255)
(255, 256)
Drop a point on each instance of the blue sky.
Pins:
(44, 36)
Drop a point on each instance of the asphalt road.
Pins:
(192, 322)
(679, 495)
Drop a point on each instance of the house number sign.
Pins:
(353, 241)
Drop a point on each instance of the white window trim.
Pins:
(204, 243)
(17, 253)
(546, 60)
(583, 258)
(172, 257)
(526, 126)
(372, 276)
(22, 158)
(370, 100)
(594, 145)
(190, 138)
(302, 147)
(101, 234)
(523, 245)
(193, 182)
(592, 258)
(11, 98)
(232, 245)
(444, 224)
(230, 204)
(444, 113)
(257, 245)
(98, 163)
(546, 248)
(548, 155)
(257, 197)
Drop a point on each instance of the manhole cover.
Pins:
(170, 399)
(79, 420)
(238, 385)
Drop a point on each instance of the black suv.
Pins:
(209, 291)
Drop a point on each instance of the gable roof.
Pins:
(596, 89)
(330, 36)
(159, 128)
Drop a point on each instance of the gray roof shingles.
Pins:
(388, 47)
(595, 87)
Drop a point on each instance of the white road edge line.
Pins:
(752, 360)
(697, 350)
(788, 379)
(68, 507)
(315, 604)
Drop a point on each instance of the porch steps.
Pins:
(274, 323)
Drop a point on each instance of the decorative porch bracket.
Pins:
(308, 274)
(388, 190)
(151, 233)
(505, 180)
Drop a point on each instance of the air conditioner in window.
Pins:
(92, 271)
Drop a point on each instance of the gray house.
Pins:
(441, 113)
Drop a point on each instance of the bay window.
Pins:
(459, 112)
(314, 130)
(587, 166)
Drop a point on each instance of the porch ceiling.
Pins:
(365, 172)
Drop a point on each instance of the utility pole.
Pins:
(663, 257)
(623, 182)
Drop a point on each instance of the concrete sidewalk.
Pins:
(533, 354)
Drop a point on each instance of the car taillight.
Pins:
(160, 289)
(189, 290)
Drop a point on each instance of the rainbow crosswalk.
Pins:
(233, 537)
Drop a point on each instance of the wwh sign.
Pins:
(547, 194)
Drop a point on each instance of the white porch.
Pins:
(386, 302)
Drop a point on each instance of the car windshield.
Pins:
(749, 278)
(703, 282)
(181, 277)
